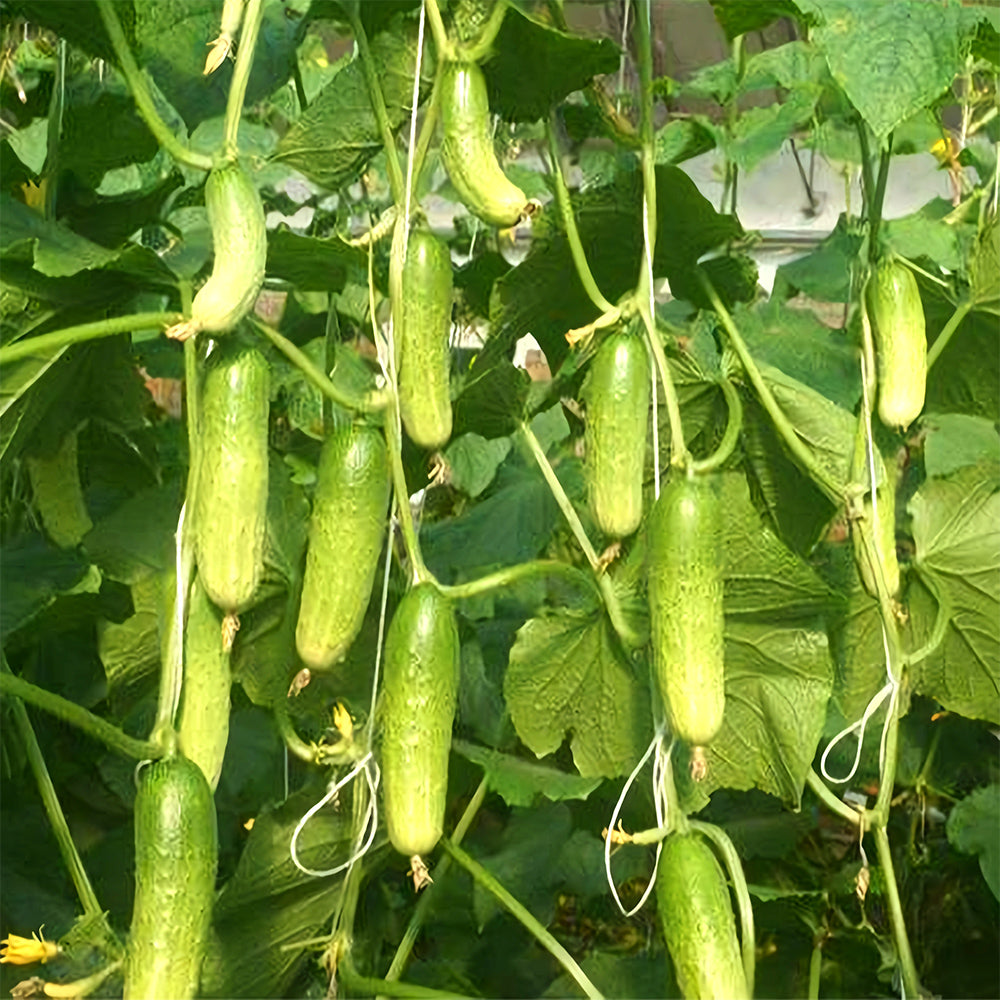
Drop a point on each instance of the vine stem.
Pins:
(815, 967)
(427, 897)
(800, 451)
(140, 93)
(46, 342)
(53, 809)
(241, 75)
(878, 200)
(748, 936)
(69, 711)
(368, 986)
(396, 184)
(835, 805)
(483, 45)
(948, 331)
(510, 575)
(583, 270)
(445, 49)
(296, 745)
(908, 968)
(369, 403)
(734, 425)
(678, 449)
(644, 52)
(523, 916)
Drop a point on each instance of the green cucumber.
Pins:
(203, 726)
(884, 538)
(685, 606)
(897, 316)
(231, 489)
(346, 534)
(696, 916)
(467, 149)
(422, 340)
(176, 852)
(617, 397)
(418, 710)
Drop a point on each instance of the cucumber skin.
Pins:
(418, 710)
(617, 396)
(231, 491)
(203, 726)
(422, 341)
(176, 853)
(467, 149)
(239, 238)
(346, 534)
(885, 542)
(685, 588)
(696, 916)
(901, 344)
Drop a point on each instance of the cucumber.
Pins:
(176, 852)
(418, 710)
(203, 727)
(467, 149)
(697, 920)
(617, 397)
(685, 606)
(900, 342)
(230, 505)
(422, 340)
(346, 534)
(239, 238)
(885, 539)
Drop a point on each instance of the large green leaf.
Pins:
(338, 133)
(738, 17)
(953, 440)
(956, 531)
(130, 650)
(313, 264)
(974, 827)
(535, 66)
(568, 676)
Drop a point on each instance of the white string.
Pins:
(372, 775)
(621, 61)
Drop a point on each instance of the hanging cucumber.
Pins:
(418, 710)
(685, 607)
(203, 726)
(176, 851)
(231, 497)
(467, 149)
(884, 538)
(696, 916)
(239, 238)
(617, 397)
(900, 342)
(422, 339)
(346, 533)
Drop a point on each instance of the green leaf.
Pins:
(519, 782)
(78, 21)
(130, 650)
(974, 828)
(492, 400)
(984, 267)
(737, 17)
(966, 376)
(761, 132)
(954, 440)
(859, 652)
(287, 523)
(636, 974)
(535, 66)
(313, 264)
(925, 233)
(956, 531)
(338, 134)
(825, 274)
(778, 683)
(474, 461)
(568, 676)
(891, 59)
(681, 140)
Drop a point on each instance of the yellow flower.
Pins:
(24, 951)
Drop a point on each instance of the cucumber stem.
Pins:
(429, 125)
(419, 572)
(947, 331)
(46, 342)
(76, 715)
(523, 916)
(644, 53)
(369, 403)
(140, 93)
(396, 185)
(296, 745)
(241, 76)
(679, 455)
(510, 575)
(748, 937)
(815, 967)
(368, 986)
(583, 270)
(483, 45)
(445, 49)
(835, 805)
(428, 896)
(734, 425)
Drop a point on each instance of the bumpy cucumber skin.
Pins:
(697, 921)
(685, 589)
(176, 852)
(239, 238)
(617, 397)
(901, 344)
(203, 727)
(230, 512)
(346, 534)
(418, 710)
(422, 340)
(467, 149)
